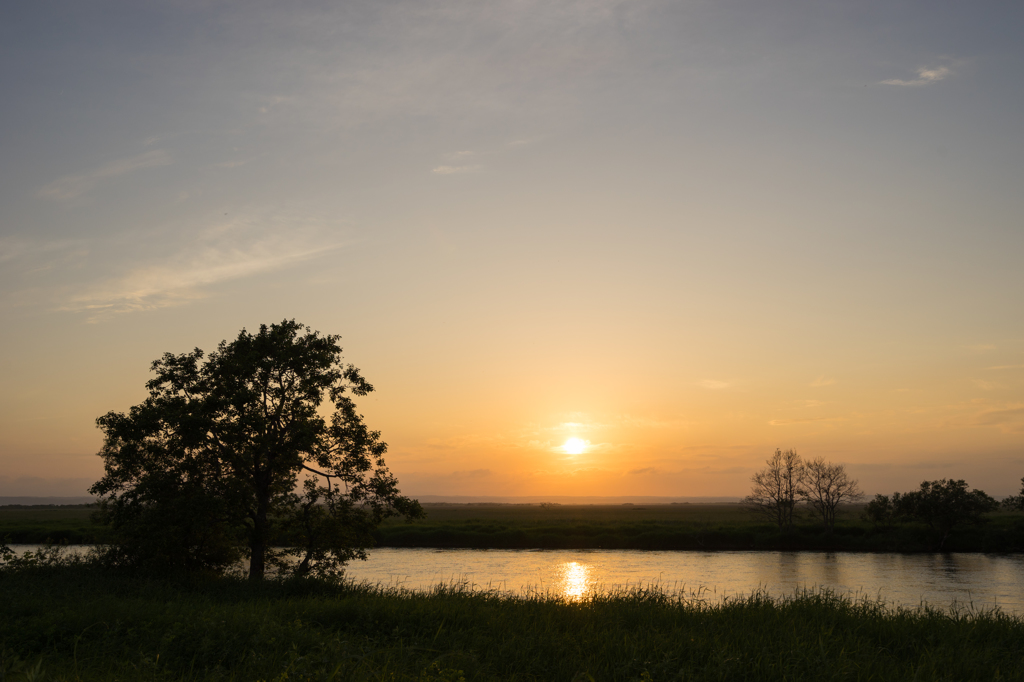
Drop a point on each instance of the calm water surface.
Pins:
(983, 580)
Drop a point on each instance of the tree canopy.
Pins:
(230, 452)
(788, 479)
(776, 488)
(1015, 502)
(825, 486)
(941, 505)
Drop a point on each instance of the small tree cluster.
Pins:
(940, 505)
(775, 489)
(1015, 502)
(788, 480)
(825, 486)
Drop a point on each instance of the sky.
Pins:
(686, 233)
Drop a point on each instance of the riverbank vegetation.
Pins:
(69, 620)
(689, 527)
(37, 524)
(663, 527)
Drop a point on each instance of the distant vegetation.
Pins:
(921, 519)
(687, 527)
(72, 621)
(37, 524)
(940, 505)
(665, 527)
(789, 480)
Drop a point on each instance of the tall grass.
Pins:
(76, 622)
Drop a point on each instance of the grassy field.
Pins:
(72, 523)
(79, 623)
(663, 527)
(677, 526)
(36, 524)
(731, 514)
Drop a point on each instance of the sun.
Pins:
(575, 446)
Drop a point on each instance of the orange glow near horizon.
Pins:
(555, 291)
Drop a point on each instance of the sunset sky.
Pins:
(685, 233)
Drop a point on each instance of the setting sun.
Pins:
(575, 446)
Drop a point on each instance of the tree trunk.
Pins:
(260, 533)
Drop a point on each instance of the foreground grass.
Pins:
(79, 623)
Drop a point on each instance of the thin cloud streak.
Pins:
(25, 250)
(73, 186)
(220, 255)
(1009, 419)
(788, 422)
(456, 170)
(924, 77)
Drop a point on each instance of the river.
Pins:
(979, 581)
(983, 580)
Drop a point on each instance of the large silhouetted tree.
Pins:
(210, 466)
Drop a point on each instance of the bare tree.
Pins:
(825, 486)
(776, 487)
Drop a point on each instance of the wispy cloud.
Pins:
(713, 384)
(456, 170)
(925, 76)
(821, 381)
(73, 186)
(472, 473)
(1009, 419)
(224, 252)
(29, 252)
(787, 422)
(1007, 367)
(632, 421)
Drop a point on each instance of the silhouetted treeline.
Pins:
(940, 505)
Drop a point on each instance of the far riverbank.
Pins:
(694, 527)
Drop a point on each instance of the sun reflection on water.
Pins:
(575, 580)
